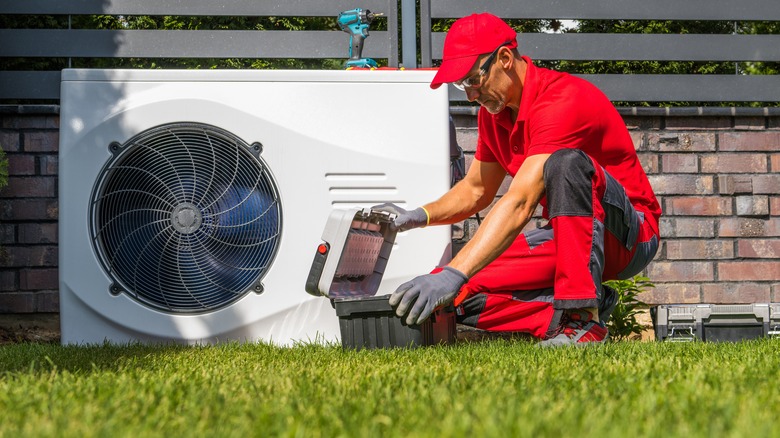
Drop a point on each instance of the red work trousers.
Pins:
(594, 234)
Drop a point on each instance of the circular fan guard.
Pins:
(186, 218)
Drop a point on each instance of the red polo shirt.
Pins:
(557, 111)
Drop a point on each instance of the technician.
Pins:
(566, 148)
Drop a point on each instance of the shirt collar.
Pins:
(530, 89)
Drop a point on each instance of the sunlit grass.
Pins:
(492, 388)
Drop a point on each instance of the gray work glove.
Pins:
(404, 220)
(425, 293)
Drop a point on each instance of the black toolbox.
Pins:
(370, 322)
(348, 268)
(716, 322)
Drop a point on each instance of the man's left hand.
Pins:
(425, 293)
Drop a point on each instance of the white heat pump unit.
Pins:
(192, 202)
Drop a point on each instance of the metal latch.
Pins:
(681, 334)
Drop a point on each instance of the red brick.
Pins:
(683, 142)
(467, 139)
(504, 185)
(21, 164)
(42, 141)
(774, 160)
(13, 302)
(38, 279)
(686, 227)
(774, 206)
(752, 205)
(30, 187)
(749, 227)
(758, 248)
(682, 184)
(735, 293)
(38, 233)
(638, 138)
(698, 206)
(734, 163)
(698, 123)
(674, 272)
(733, 184)
(47, 302)
(30, 256)
(49, 164)
(680, 163)
(749, 141)
(766, 184)
(8, 280)
(699, 249)
(649, 162)
(28, 209)
(9, 141)
(749, 123)
(7, 234)
(671, 293)
(31, 122)
(748, 271)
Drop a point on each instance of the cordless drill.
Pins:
(355, 22)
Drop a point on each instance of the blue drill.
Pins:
(355, 23)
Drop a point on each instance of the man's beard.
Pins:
(494, 106)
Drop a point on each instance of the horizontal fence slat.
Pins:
(186, 44)
(613, 9)
(300, 8)
(29, 85)
(679, 88)
(641, 47)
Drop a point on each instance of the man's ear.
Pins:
(506, 58)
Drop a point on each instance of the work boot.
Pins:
(577, 328)
(609, 299)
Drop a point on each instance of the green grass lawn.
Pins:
(493, 388)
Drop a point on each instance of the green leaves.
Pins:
(623, 323)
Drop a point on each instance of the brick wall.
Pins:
(29, 211)
(717, 178)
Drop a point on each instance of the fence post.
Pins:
(409, 33)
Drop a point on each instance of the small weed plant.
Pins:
(623, 324)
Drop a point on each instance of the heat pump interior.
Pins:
(353, 255)
(190, 201)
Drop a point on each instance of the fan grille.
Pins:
(186, 218)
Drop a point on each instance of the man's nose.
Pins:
(472, 94)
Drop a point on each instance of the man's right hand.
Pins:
(404, 220)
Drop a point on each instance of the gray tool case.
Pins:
(348, 267)
(716, 322)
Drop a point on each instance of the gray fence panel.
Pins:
(300, 8)
(743, 10)
(29, 84)
(669, 88)
(641, 47)
(186, 44)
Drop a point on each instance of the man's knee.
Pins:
(568, 183)
(565, 162)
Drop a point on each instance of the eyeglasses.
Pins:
(475, 81)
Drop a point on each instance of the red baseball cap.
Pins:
(468, 38)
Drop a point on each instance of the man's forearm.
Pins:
(455, 206)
